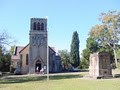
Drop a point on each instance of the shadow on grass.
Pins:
(37, 78)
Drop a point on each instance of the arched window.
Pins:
(34, 26)
(42, 26)
(27, 59)
(38, 26)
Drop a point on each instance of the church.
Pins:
(33, 57)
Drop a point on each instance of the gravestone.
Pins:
(100, 65)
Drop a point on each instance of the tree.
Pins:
(6, 62)
(4, 38)
(65, 58)
(74, 53)
(86, 54)
(11, 50)
(84, 64)
(1, 58)
(108, 34)
(5, 57)
(92, 45)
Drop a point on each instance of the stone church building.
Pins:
(34, 55)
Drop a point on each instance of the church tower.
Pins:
(38, 44)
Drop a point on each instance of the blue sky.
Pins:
(64, 17)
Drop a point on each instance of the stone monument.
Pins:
(100, 65)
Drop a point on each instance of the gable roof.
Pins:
(23, 48)
(19, 49)
(53, 49)
(16, 52)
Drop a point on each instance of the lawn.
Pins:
(69, 81)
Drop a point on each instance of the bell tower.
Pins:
(38, 44)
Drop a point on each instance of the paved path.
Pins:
(32, 75)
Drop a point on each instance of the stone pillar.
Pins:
(100, 65)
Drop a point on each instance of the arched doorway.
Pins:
(38, 66)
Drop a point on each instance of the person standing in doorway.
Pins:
(42, 71)
(37, 69)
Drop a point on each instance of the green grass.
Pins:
(58, 82)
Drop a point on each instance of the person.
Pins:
(42, 71)
(37, 68)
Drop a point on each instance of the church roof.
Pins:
(52, 48)
(16, 52)
(23, 48)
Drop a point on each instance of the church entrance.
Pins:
(38, 66)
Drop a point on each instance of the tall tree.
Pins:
(108, 34)
(74, 53)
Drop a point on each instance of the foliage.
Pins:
(86, 54)
(65, 59)
(74, 53)
(84, 64)
(1, 58)
(5, 59)
(119, 65)
(107, 34)
(118, 54)
(11, 50)
(92, 45)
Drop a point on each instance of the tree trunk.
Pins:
(115, 57)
